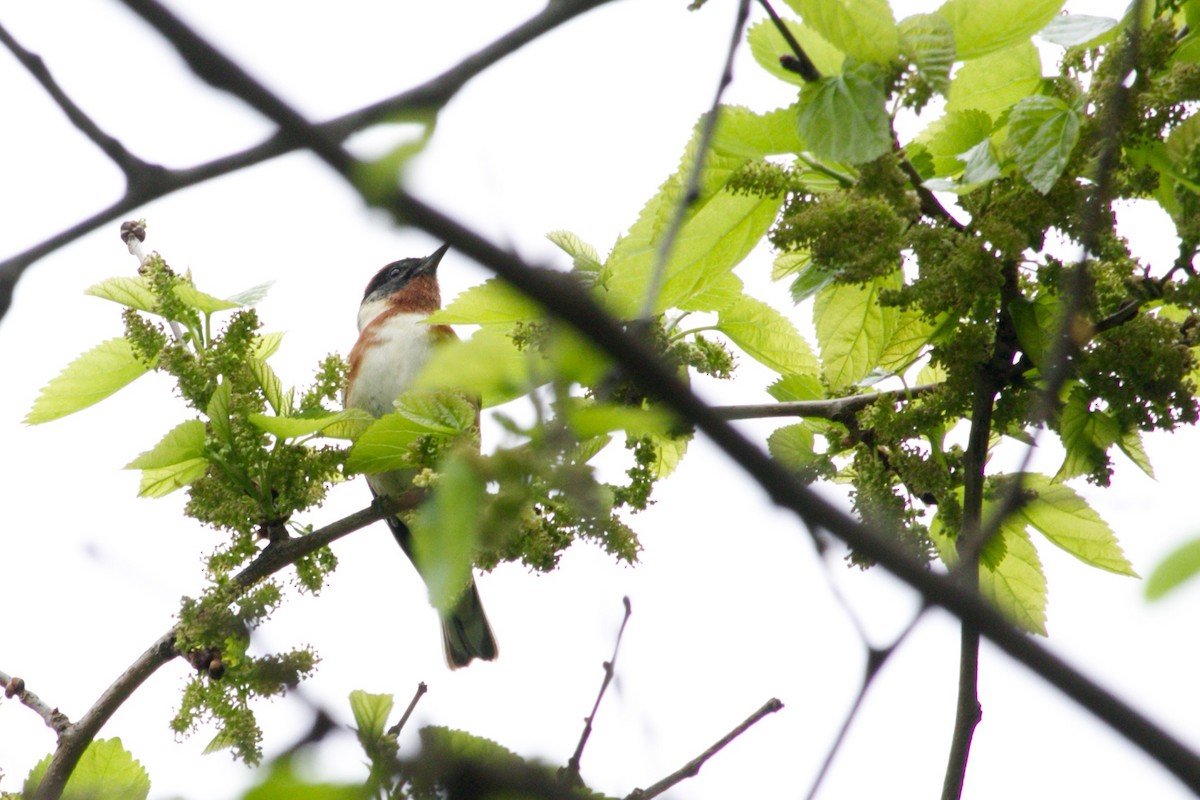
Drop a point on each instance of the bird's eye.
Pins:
(394, 273)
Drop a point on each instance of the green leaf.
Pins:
(446, 412)
(251, 296)
(790, 263)
(994, 83)
(722, 292)
(106, 771)
(488, 365)
(767, 336)
(1179, 567)
(377, 180)
(1042, 131)
(1017, 584)
(1072, 30)
(748, 134)
(384, 445)
(182, 443)
(989, 26)
(928, 40)
(668, 452)
(266, 344)
(1036, 323)
(810, 281)
(132, 292)
(1065, 518)
(446, 531)
(792, 446)
(951, 135)
(583, 256)
(591, 419)
(1085, 434)
(844, 118)
(864, 29)
(794, 388)
(203, 302)
(910, 336)
(218, 412)
(268, 381)
(340, 425)
(853, 329)
(98, 373)
(161, 481)
(371, 712)
(1131, 445)
(493, 301)
(767, 45)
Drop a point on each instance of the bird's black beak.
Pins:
(430, 264)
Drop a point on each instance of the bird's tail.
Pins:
(466, 633)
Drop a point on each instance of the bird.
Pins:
(394, 343)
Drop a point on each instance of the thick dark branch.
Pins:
(798, 61)
(15, 687)
(563, 298)
(692, 768)
(74, 739)
(570, 773)
(431, 94)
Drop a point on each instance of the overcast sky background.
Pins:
(731, 605)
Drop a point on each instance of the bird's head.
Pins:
(409, 285)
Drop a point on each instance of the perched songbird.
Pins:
(393, 345)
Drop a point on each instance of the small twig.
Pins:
(833, 409)
(692, 191)
(74, 739)
(15, 687)
(570, 773)
(412, 704)
(798, 62)
(876, 658)
(691, 768)
(136, 170)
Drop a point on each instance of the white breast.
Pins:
(401, 346)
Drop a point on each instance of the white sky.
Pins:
(730, 604)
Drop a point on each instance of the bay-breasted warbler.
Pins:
(394, 342)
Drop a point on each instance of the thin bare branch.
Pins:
(570, 773)
(834, 409)
(691, 192)
(15, 687)
(412, 704)
(692, 768)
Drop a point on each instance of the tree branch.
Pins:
(834, 409)
(74, 738)
(692, 768)
(433, 93)
(570, 773)
(15, 687)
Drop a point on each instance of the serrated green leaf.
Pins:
(1086, 435)
(790, 263)
(493, 301)
(748, 134)
(1179, 567)
(132, 292)
(182, 443)
(266, 344)
(792, 446)
(218, 412)
(794, 388)
(864, 29)
(446, 412)
(1066, 519)
(488, 365)
(106, 771)
(1131, 445)
(446, 531)
(268, 381)
(1017, 585)
(371, 712)
(583, 256)
(203, 302)
(910, 336)
(161, 481)
(1072, 30)
(767, 336)
(767, 45)
(809, 282)
(93, 376)
(1042, 132)
(668, 452)
(853, 329)
(951, 136)
(928, 40)
(1036, 324)
(844, 118)
(384, 445)
(340, 425)
(994, 83)
(989, 26)
(251, 296)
